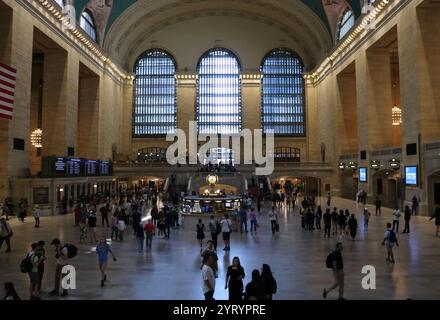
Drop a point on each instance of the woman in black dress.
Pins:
(234, 280)
(255, 288)
(353, 225)
(200, 233)
(269, 282)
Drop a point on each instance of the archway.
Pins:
(387, 185)
(349, 185)
(433, 191)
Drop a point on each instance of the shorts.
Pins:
(34, 277)
(226, 236)
(93, 229)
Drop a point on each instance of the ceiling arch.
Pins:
(131, 33)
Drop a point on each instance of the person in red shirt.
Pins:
(149, 230)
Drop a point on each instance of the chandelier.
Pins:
(396, 115)
(37, 138)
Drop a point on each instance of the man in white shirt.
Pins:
(62, 256)
(396, 218)
(226, 231)
(208, 279)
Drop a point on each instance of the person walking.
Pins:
(415, 205)
(327, 223)
(104, 214)
(149, 233)
(243, 219)
(114, 222)
(396, 219)
(62, 257)
(273, 217)
(92, 227)
(200, 229)
(121, 228)
(41, 253)
(6, 234)
(352, 225)
(33, 272)
(214, 229)
(436, 216)
(335, 220)
(168, 222)
(329, 199)
(234, 280)
(226, 232)
(367, 216)
(318, 218)
(10, 292)
(389, 241)
(210, 250)
(378, 206)
(37, 215)
(103, 249)
(253, 220)
(336, 263)
(269, 282)
(140, 237)
(407, 217)
(342, 222)
(254, 290)
(208, 278)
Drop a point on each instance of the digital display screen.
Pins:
(60, 166)
(228, 205)
(411, 176)
(363, 174)
(90, 167)
(75, 167)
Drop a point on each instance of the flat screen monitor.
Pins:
(411, 176)
(363, 174)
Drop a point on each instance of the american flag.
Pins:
(7, 90)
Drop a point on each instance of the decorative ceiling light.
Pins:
(37, 138)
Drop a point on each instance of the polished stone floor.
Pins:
(172, 269)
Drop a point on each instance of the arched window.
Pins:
(283, 109)
(218, 93)
(155, 94)
(345, 24)
(60, 3)
(88, 24)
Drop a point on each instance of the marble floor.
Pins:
(171, 271)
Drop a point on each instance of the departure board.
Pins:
(53, 167)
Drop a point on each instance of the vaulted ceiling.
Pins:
(126, 27)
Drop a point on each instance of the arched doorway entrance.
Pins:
(433, 191)
(387, 185)
(349, 185)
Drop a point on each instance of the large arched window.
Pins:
(218, 93)
(345, 24)
(283, 108)
(155, 94)
(88, 24)
(60, 3)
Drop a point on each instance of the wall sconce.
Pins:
(395, 164)
(352, 165)
(342, 165)
(61, 189)
(375, 164)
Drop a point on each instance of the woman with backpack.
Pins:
(200, 229)
(389, 241)
(103, 249)
(269, 282)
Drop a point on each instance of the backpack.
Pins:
(26, 264)
(71, 250)
(392, 237)
(329, 261)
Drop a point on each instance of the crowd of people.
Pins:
(149, 218)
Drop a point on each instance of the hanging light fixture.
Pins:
(37, 138)
(396, 111)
